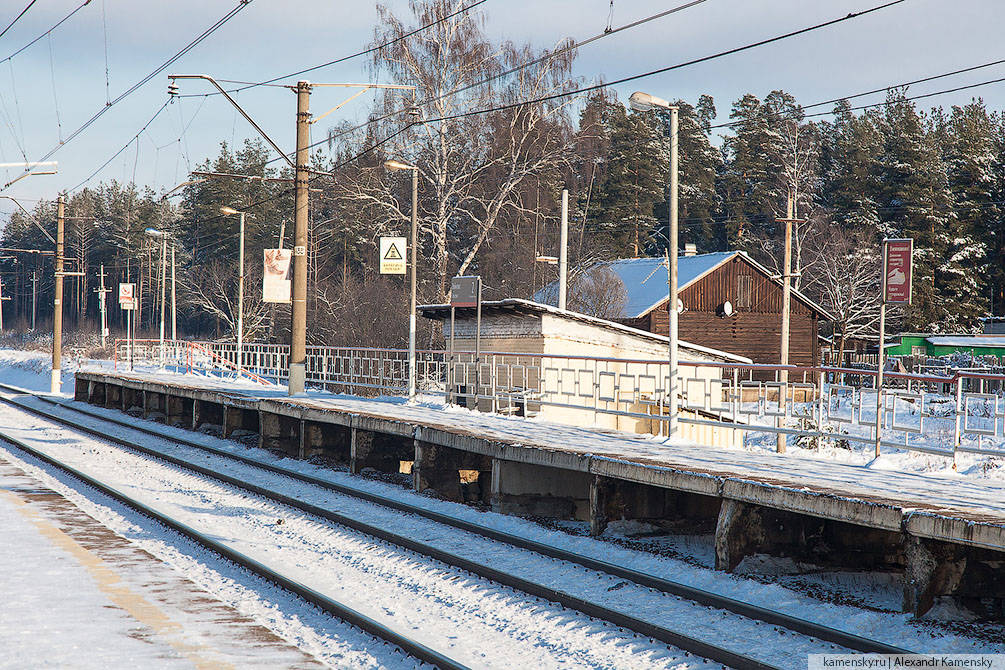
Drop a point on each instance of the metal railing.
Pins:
(945, 415)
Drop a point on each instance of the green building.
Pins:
(934, 345)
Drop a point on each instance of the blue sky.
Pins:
(914, 39)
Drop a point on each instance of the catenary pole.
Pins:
(879, 356)
(563, 252)
(298, 329)
(174, 300)
(57, 301)
(412, 299)
(240, 304)
(673, 325)
(163, 289)
(103, 306)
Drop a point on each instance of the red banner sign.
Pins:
(897, 267)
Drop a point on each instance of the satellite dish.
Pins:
(725, 309)
(680, 306)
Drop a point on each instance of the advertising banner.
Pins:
(897, 264)
(276, 275)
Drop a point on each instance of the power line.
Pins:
(594, 87)
(570, 47)
(191, 45)
(18, 17)
(907, 83)
(344, 58)
(58, 24)
(920, 96)
(124, 147)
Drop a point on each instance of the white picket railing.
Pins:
(933, 414)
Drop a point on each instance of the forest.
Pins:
(496, 132)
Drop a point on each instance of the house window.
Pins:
(744, 289)
(918, 351)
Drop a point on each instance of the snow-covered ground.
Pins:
(31, 371)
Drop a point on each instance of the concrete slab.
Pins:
(951, 509)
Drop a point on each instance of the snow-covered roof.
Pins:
(968, 340)
(645, 280)
(518, 306)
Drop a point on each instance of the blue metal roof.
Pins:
(645, 279)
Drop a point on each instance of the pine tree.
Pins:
(851, 183)
(915, 202)
(699, 164)
(637, 169)
(970, 161)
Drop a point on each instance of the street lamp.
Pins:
(398, 165)
(240, 291)
(644, 102)
(153, 232)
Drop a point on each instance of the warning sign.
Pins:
(127, 296)
(392, 255)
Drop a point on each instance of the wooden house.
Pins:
(729, 301)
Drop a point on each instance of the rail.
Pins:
(944, 415)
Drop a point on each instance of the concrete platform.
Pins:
(947, 534)
(77, 595)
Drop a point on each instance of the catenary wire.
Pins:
(18, 17)
(586, 89)
(364, 52)
(191, 45)
(58, 24)
(594, 87)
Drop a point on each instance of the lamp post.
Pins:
(644, 102)
(398, 165)
(240, 291)
(153, 232)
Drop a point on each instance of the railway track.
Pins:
(676, 638)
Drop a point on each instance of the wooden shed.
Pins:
(749, 326)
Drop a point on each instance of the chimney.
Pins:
(690, 249)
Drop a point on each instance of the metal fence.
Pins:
(962, 412)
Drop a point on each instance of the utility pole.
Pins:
(103, 305)
(57, 302)
(298, 330)
(174, 300)
(34, 293)
(164, 290)
(783, 375)
(563, 252)
(2, 298)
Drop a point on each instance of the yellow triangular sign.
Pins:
(392, 253)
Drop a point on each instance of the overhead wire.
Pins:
(191, 45)
(570, 47)
(271, 81)
(522, 66)
(124, 147)
(58, 24)
(364, 52)
(902, 85)
(669, 68)
(594, 87)
(18, 17)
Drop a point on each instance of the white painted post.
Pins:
(563, 252)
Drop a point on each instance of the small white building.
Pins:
(575, 368)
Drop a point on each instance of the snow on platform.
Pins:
(947, 507)
(78, 595)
